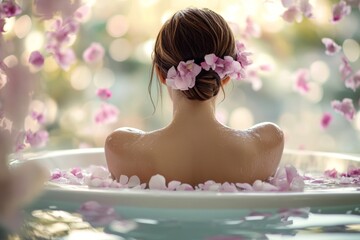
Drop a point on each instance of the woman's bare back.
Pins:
(196, 155)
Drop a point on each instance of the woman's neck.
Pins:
(190, 113)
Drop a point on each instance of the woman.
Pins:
(195, 55)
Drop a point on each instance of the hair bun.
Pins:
(207, 85)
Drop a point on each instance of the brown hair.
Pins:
(191, 34)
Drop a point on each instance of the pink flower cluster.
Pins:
(296, 9)
(183, 77)
(286, 179)
(59, 38)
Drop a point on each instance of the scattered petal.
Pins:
(37, 139)
(157, 182)
(326, 120)
(36, 59)
(104, 93)
(94, 53)
(345, 107)
(353, 82)
(9, 8)
(96, 214)
(106, 114)
(292, 14)
(302, 81)
(345, 69)
(331, 47)
(331, 173)
(340, 10)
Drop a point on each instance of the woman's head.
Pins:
(191, 34)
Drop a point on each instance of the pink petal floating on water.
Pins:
(331, 46)
(345, 107)
(103, 93)
(333, 173)
(184, 187)
(340, 10)
(353, 82)
(173, 185)
(302, 81)
(94, 53)
(96, 214)
(326, 120)
(36, 59)
(133, 181)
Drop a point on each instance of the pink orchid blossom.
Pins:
(184, 76)
(94, 53)
(39, 117)
(326, 120)
(302, 81)
(345, 68)
(345, 107)
(36, 59)
(37, 139)
(9, 8)
(353, 82)
(106, 114)
(96, 214)
(104, 93)
(331, 47)
(340, 10)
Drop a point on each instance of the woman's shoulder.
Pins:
(267, 133)
(124, 135)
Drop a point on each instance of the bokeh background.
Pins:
(127, 30)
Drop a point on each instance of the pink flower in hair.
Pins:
(345, 107)
(353, 82)
(340, 10)
(36, 59)
(345, 69)
(326, 120)
(242, 56)
(103, 93)
(9, 8)
(302, 81)
(331, 47)
(184, 76)
(94, 53)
